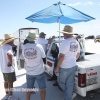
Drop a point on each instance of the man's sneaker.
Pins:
(13, 98)
(6, 96)
(51, 79)
(74, 95)
(55, 84)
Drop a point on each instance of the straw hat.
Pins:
(32, 35)
(8, 38)
(67, 30)
(1, 41)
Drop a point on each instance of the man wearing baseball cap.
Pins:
(41, 40)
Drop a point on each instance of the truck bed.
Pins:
(90, 61)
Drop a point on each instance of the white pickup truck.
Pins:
(87, 76)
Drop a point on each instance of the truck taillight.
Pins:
(49, 63)
(81, 80)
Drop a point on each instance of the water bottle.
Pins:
(57, 73)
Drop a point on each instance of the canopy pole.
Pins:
(59, 29)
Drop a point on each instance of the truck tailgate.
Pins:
(92, 66)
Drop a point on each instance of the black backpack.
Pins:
(54, 50)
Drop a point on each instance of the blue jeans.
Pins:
(39, 78)
(66, 81)
(55, 64)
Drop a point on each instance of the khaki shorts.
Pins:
(9, 77)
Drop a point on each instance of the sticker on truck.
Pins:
(92, 78)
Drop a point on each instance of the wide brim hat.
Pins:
(8, 38)
(67, 30)
(32, 36)
(1, 41)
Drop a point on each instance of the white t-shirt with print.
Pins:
(4, 59)
(33, 54)
(70, 47)
(43, 42)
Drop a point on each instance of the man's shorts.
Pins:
(9, 77)
(39, 78)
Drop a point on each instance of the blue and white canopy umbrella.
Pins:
(59, 13)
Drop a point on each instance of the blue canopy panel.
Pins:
(59, 13)
(54, 19)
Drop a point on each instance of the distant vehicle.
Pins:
(90, 37)
(97, 39)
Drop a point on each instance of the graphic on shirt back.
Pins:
(30, 53)
(73, 46)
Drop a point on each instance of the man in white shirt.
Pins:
(7, 64)
(44, 42)
(69, 51)
(32, 54)
(41, 40)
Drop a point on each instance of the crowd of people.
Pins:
(34, 54)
